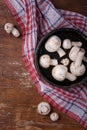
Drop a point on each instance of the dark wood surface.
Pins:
(18, 95)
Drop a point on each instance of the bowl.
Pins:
(45, 74)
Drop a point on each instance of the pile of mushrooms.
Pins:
(69, 67)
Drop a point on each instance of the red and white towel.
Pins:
(36, 18)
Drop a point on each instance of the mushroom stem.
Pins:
(79, 44)
(70, 76)
(61, 52)
(53, 62)
(54, 116)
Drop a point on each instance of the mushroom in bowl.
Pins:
(54, 44)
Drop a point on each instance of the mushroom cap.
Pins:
(8, 27)
(59, 72)
(74, 52)
(54, 116)
(77, 70)
(15, 32)
(67, 44)
(44, 108)
(53, 43)
(45, 61)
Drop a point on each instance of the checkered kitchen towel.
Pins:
(36, 18)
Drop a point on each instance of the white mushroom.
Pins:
(70, 76)
(9, 28)
(65, 61)
(73, 53)
(54, 116)
(74, 43)
(77, 70)
(60, 73)
(53, 44)
(67, 44)
(79, 57)
(45, 61)
(43, 108)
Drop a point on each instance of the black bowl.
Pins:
(45, 74)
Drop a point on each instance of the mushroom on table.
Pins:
(44, 108)
(54, 116)
(9, 28)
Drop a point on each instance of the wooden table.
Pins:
(18, 95)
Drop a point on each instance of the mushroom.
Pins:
(67, 44)
(74, 43)
(76, 67)
(79, 57)
(73, 53)
(45, 61)
(77, 70)
(9, 28)
(65, 61)
(44, 108)
(60, 73)
(54, 116)
(53, 44)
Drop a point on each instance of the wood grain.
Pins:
(18, 95)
